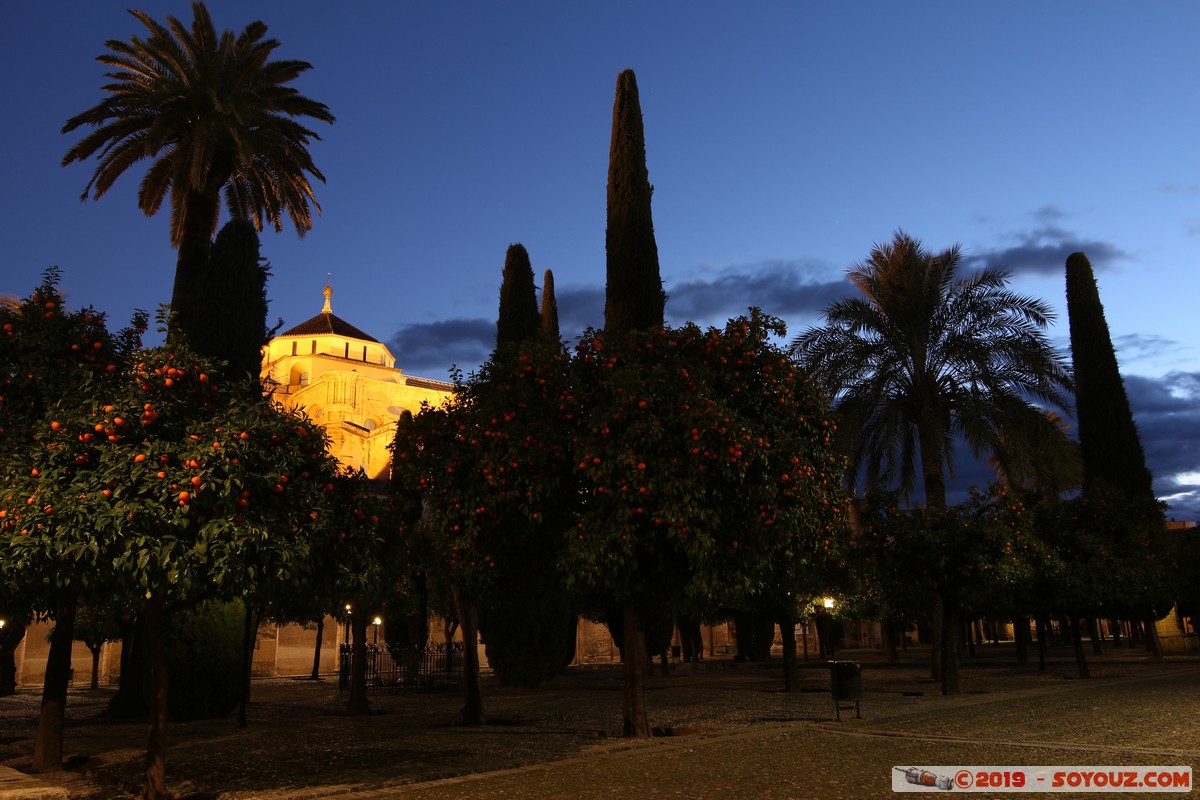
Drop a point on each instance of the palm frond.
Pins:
(214, 116)
(924, 355)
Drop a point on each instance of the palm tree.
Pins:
(216, 116)
(925, 357)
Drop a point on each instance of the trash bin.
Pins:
(846, 685)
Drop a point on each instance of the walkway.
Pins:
(736, 735)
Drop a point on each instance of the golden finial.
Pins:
(328, 294)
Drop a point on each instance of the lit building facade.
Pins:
(348, 383)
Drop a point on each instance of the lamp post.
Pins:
(375, 623)
(344, 661)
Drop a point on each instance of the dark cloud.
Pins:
(579, 308)
(785, 289)
(791, 290)
(429, 349)
(1167, 410)
(1044, 250)
(1167, 413)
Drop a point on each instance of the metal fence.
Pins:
(431, 668)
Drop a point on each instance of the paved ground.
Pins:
(735, 733)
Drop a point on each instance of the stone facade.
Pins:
(348, 382)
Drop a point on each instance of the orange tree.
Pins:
(45, 353)
(992, 539)
(153, 478)
(708, 472)
(493, 468)
(1111, 558)
(367, 558)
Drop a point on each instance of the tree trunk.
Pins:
(636, 724)
(249, 635)
(156, 729)
(358, 702)
(468, 616)
(316, 670)
(892, 632)
(1021, 637)
(10, 639)
(1077, 639)
(970, 631)
(130, 699)
(96, 666)
(945, 615)
(950, 629)
(1153, 643)
(191, 259)
(1093, 627)
(1043, 630)
(48, 748)
(791, 670)
(935, 639)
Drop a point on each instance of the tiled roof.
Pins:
(327, 323)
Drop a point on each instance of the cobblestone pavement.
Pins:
(734, 733)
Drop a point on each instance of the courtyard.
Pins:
(725, 729)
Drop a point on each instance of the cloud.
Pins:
(786, 289)
(579, 308)
(1167, 411)
(1043, 251)
(429, 349)
(783, 288)
(1150, 352)
(1049, 214)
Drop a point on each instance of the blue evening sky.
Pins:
(783, 140)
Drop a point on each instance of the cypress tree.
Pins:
(527, 620)
(1108, 437)
(550, 309)
(233, 290)
(634, 298)
(1112, 455)
(519, 319)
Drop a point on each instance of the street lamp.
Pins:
(347, 623)
(376, 623)
(827, 602)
